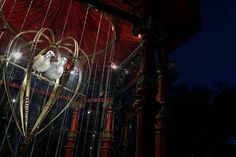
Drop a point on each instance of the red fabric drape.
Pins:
(56, 19)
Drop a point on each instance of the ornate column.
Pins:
(161, 139)
(124, 135)
(69, 147)
(106, 147)
(145, 105)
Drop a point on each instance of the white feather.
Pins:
(42, 63)
(56, 69)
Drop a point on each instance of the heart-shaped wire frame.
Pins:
(68, 43)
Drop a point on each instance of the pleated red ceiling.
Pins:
(15, 12)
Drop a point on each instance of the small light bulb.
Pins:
(126, 71)
(13, 100)
(89, 111)
(72, 72)
(139, 36)
(17, 55)
(114, 66)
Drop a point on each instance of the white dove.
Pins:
(56, 69)
(42, 62)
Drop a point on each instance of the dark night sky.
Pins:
(210, 55)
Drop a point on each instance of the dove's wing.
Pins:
(52, 71)
(38, 63)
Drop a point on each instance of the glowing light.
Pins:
(139, 36)
(73, 72)
(89, 111)
(13, 100)
(17, 55)
(126, 71)
(93, 135)
(90, 148)
(114, 66)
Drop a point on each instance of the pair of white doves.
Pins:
(53, 70)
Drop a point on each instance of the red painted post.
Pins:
(72, 133)
(161, 126)
(146, 100)
(124, 135)
(106, 147)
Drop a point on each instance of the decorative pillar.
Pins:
(106, 147)
(161, 139)
(124, 135)
(145, 105)
(72, 133)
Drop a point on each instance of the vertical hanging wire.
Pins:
(87, 80)
(18, 144)
(9, 145)
(2, 98)
(3, 4)
(87, 89)
(100, 90)
(67, 15)
(62, 132)
(11, 7)
(6, 131)
(62, 127)
(44, 101)
(86, 72)
(22, 25)
(92, 62)
(13, 66)
(7, 15)
(32, 149)
(49, 138)
(46, 14)
(83, 28)
(44, 19)
(20, 134)
(63, 31)
(108, 80)
(92, 96)
(11, 71)
(106, 96)
(82, 116)
(90, 107)
(28, 10)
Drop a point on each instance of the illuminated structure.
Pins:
(104, 56)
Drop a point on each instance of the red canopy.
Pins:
(66, 17)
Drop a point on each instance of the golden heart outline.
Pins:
(58, 87)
